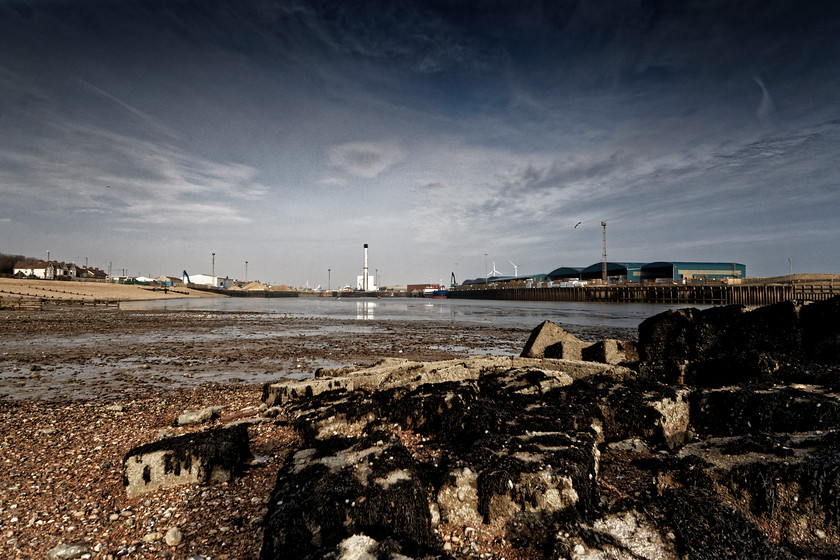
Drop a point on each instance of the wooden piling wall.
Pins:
(675, 294)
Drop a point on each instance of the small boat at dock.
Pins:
(436, 293)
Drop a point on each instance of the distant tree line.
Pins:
(7, 263)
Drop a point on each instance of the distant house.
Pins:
(31, 269)
(90, 273)
(45, 270)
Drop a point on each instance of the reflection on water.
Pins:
(500, 313)
(365, 310)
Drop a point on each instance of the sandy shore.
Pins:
(82, 385)
(13, 290)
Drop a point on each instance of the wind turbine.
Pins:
(494, 273)
(515, 269)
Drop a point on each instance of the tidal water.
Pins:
(500, 313)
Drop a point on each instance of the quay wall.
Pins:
(676, 294)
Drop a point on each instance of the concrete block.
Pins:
(611, 351)
(549, 334)
(199, 458)
(567, 350)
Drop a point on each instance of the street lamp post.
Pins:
(790, 271)
(329, 275)
(604, 262)
(213, 265)
(246, 271)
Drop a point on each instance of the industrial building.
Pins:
(660, 271)
(206, 280)
(564, 274)
(634, 272)
(688, 272)
(616, 272)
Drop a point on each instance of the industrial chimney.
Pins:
(365, 273)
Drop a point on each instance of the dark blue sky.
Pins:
(288, 134)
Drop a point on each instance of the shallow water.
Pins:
(515, 314)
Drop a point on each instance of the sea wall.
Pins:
(667, 294)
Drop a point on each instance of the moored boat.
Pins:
(436, 293)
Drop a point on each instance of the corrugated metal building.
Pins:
(616, 272)
(691, 271)
(565, 273)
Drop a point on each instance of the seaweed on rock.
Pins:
(319, 502)
(706, 528)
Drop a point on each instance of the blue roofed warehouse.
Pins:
(691, 271)
(616, 272)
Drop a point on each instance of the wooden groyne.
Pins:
(30, 303)
(676, 294)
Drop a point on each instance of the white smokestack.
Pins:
(365, 274)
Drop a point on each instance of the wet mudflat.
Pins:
(89, 353)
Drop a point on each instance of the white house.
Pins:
(46, 270)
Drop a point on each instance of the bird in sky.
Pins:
(577, 224)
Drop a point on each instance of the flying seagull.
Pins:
(577, 224)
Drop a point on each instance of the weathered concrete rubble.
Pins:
(395, 372)
(198, 458)
(719, 441)
(727, 345)
(552, 341)
(499, 451)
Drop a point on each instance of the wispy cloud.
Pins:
(85, 168)
(363, 159)
(159, 212)
(154, 124)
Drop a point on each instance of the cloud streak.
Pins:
(123, 177)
